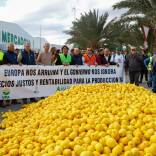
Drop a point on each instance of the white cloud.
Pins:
(55, 16)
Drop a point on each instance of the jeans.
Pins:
(144, 72)
(134, 77)
(150, 75)
(154, 82)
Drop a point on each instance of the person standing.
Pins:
(99, 56)
(144, 70)
(44, 58)
(10, 57)
(118, 58)
(106, 59)
(27, 56)
(134, 62)
(148, 64)
(154, 72)
(77, 57)
(90, 58)
(64, 58)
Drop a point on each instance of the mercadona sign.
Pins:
(7, 37)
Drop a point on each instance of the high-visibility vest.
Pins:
(149, 67)
(1, 56)
(65, 59)
(90, 60)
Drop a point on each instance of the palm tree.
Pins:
(144, 13)
(119, 34)
(89, 30)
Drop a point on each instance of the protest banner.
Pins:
(17, 82)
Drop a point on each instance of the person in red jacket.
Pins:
(90, 58)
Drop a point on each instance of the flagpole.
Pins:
(40, 37)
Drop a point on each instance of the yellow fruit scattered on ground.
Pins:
(86, 153)
(111, 142)
(85, 120)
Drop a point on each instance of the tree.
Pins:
(119, 34)
(89, 30)
(92, 30)
(144, 13)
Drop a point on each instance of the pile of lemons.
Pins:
(87, 120)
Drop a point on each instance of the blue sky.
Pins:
(54, 16)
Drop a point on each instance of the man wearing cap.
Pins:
(134, 63)
(64, 58)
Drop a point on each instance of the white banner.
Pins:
(17, 82)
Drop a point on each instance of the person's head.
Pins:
(65, 49)
(54, 56)
(113, 52)
(154, 53)
(58, 51)
(118, 52)
(17, 51)
(125, 52)
(76, 51)
(46, 47)
(11, 47)
(133, 50)
(53, 50)
(89, 51)
(106, 52)
(27, 46)
(142, 51)
(101, 51)
(72, 51)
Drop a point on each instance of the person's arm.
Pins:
(71, 63)
(4, 59)
(38, 61)
(146, 61)
(58, 62)
(112, 58)
(19, 58)
(34, 61)
(83, 60)
(111, 62)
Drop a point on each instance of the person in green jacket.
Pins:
(64, 58)
(1, 57)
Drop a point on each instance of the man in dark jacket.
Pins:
(134, 63)
(10, 57)
(27, 56)
(77, 57)
(106, 58)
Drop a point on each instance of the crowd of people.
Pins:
(137, 64)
